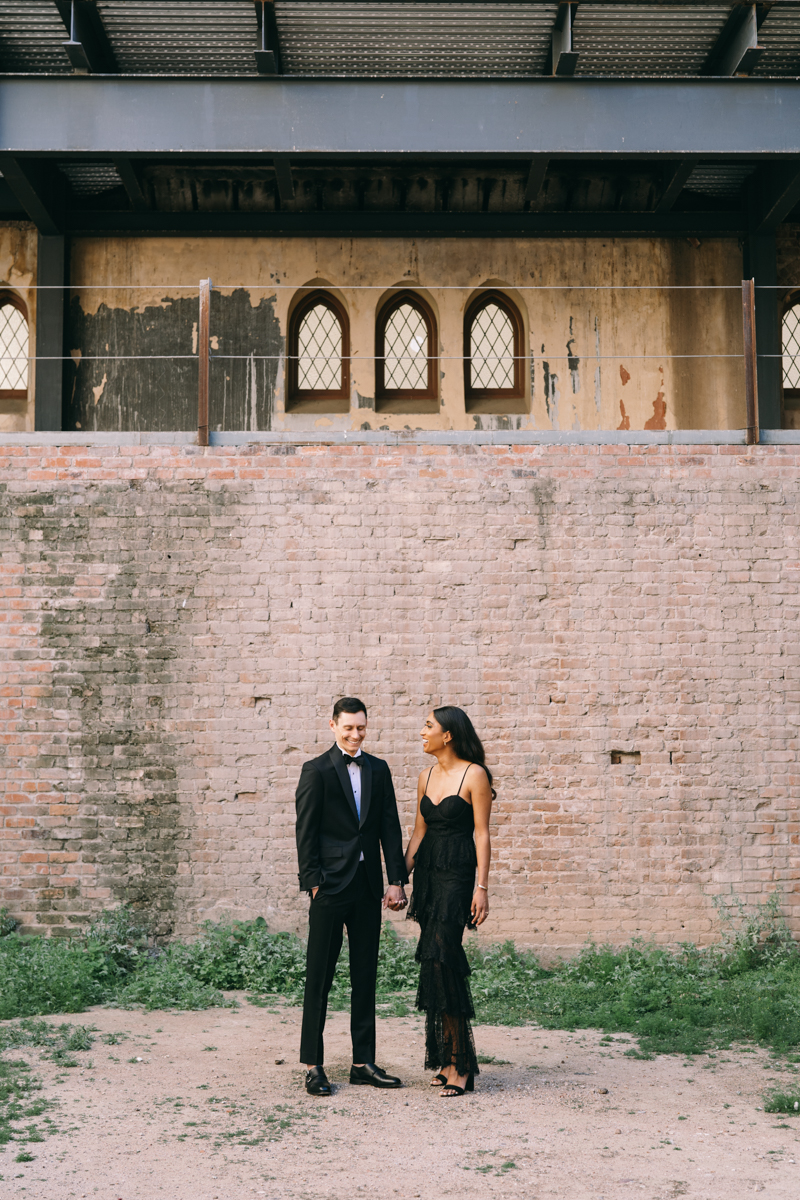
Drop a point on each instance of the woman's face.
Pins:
(433, 736)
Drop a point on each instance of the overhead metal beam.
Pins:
(517, 119)
(88, 47)
(675, 179)
(268, 51)
(737, 50)
(564, 58)
(283, 172)
(361, 223)
(35, 186)
(774, 194)
(131, 182)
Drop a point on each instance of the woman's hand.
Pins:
(480, 906)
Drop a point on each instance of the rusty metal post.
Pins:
(203, 339)
(750, 359)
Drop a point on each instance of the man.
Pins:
(346, 811)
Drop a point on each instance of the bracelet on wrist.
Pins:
(483, 889)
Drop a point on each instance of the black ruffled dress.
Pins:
(444, 880)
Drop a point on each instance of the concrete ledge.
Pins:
(596, 437)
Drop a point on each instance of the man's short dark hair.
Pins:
(348, 704)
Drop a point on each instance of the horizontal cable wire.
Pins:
(388, 287)
(370, 357)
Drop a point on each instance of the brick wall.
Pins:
(177, 621)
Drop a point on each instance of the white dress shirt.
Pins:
(355, 782)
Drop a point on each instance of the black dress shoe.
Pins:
(374, 1076)
(317, 1082)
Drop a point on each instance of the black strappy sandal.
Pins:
(439, 1080)
(451, 1090)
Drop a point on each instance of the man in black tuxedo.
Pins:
(346, 811)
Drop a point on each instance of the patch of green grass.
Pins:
(685, 1001)
(17, 1088)
(747, 989)
(54, 1040)
(166, 982)
(783, 1102)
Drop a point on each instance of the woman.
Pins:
(454, 800)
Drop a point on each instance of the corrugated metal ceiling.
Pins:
(91, 179)
(205, 37)
(409, 38)
(422, 39)
(640, 40)
(780, 37)
(719, 179)
(31, 37)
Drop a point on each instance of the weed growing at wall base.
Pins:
(684, 1001)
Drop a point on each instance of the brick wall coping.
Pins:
(424, 437)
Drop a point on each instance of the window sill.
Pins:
(407, 404)
(319, 405)
(498, 404)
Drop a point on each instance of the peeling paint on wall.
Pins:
(625, 423)
(155, 392)
(551, 393)
(573, 362)
(659, 417)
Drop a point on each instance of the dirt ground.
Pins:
(210, 1106)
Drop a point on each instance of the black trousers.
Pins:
(356, 908)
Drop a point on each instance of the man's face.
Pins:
(350, 730)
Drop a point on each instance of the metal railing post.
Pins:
(750, 359)
(203, 339)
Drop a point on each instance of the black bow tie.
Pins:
(351, 762)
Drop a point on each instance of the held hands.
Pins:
(395, 898)
(480, 906)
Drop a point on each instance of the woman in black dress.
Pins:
(450, 840)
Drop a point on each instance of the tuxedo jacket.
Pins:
(330, 836)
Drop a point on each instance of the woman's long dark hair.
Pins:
(466, 743)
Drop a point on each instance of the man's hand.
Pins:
(395, 898)
(314, 891)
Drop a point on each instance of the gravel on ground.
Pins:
(211, 1106)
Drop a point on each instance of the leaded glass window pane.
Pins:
(791, 348)
(319, 351)
(13, 349)
(491, 349)
(405, 347)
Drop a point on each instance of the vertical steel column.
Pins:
(750, 359)
(761, 265)
(49, 351)
(203, 338)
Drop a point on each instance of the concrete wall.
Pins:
(177, 622)
(586, 369)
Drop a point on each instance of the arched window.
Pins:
(791, 365)
(406, 356)
(319, 355)
(493, 355)
(13, 353)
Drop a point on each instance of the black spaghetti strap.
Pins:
(463, 777)
(427, 781)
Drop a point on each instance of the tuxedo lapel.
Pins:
(366, 787)
(335, 756)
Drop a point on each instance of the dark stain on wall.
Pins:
(117, 764)
(160, 394)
